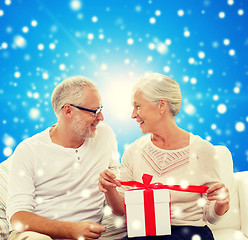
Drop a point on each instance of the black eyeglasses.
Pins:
(96, 112)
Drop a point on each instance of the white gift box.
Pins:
(148, 215)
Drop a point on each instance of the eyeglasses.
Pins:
(96, 112)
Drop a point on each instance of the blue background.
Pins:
(201, 44)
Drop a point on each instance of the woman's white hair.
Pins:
(70, 91)
(155, 87)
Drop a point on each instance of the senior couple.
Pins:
(60, 177)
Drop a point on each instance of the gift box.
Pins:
(148, 212)
(147, 207)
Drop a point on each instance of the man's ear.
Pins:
(67, 110)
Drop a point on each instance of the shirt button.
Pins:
(78, 158)
(76, 151)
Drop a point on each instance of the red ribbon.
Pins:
(149, 207)
(148, 185)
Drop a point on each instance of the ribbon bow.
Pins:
(146, 178)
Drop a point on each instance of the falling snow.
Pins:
(180, 12)
(34, 113)
(114, 48)
(190, 109)
(34, 23)
(86, 193)
(222, 108)
(222, 15)
(75, 5)
(196, 237)
(240, 126)
(20, 41)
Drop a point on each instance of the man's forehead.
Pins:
(92, 96)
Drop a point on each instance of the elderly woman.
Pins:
(173, 156)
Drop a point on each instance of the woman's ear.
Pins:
(162, 105)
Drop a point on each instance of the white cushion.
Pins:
(4, 230)
(228, 234)
(231, 220)
(242, 180)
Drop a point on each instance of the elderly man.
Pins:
(53, 190)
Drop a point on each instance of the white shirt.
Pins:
(192, 165)
(60, 183)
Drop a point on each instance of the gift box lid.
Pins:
(136, 196)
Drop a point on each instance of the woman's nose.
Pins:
(134, 114)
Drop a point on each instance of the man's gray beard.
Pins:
(84, 133)
(89, 134)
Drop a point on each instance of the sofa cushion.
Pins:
(228, 234)
(4, 231)
(242, 180)
(231, 220)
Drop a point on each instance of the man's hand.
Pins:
(107, 180)
(220, 193)
(27, 221)
(86, 230)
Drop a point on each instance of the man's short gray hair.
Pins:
(156, 86)
(70, 91)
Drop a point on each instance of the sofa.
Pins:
(232, 226)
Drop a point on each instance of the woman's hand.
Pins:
(107, 184)
(107, 180)
(220, 193)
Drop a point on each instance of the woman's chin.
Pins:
(143, 130)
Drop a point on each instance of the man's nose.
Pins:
(100, 116)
